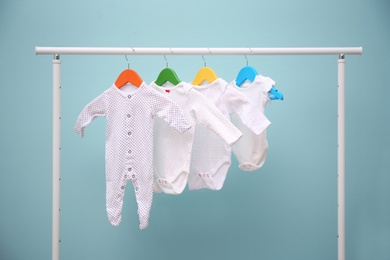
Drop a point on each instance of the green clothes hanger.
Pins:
(169, 75)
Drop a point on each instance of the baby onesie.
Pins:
(251, 149)
(211, 157)
(172, 150)
(129, 142)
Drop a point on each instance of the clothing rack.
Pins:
(57, 51)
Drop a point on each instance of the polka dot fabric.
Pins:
(129, 142)
(172, 149)
(251, 149)
(211, 156)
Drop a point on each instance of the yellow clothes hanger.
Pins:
(204, 74)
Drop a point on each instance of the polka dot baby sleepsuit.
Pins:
(173, 150)
(129, 142)
(251, 149)
(211, 157)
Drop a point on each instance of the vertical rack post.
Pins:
(341, 158)
(56, 157)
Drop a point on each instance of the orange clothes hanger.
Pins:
(128, 76)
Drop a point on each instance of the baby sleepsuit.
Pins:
(129, 142)
(211, 157)
(172, 154)
(251, 149)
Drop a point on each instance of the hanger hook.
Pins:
(246, 58)
(128, 63)
(204, 61)
(166, 61)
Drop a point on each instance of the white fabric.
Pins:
(251, 150)
(129, 112)
(211, 156)
(172, 150)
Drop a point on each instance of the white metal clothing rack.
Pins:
(57, 51)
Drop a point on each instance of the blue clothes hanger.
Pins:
(246, 73)
(249, 73)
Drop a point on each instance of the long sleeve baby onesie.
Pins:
(251, 149)
(172, 150)
(211, 157)
(129, 142)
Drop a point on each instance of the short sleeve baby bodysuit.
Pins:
(211, 156)
(129, 142)
(172, 150)
(251, 149)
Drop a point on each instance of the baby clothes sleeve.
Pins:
(208, 115)
(239, 104)
(95, 108)
(170, 112)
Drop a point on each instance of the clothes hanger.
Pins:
(167, 75)
(204, 74)
(246, 73)
(250, 73)
(128, 76)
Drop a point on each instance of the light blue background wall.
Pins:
(285, 210)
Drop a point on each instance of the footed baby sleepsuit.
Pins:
(251, 149)
(129, 142)
(172, 154)
(211, 157)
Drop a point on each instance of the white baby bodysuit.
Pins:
(251, 149)
(211, 157)
(129, 112)
(172, 150)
